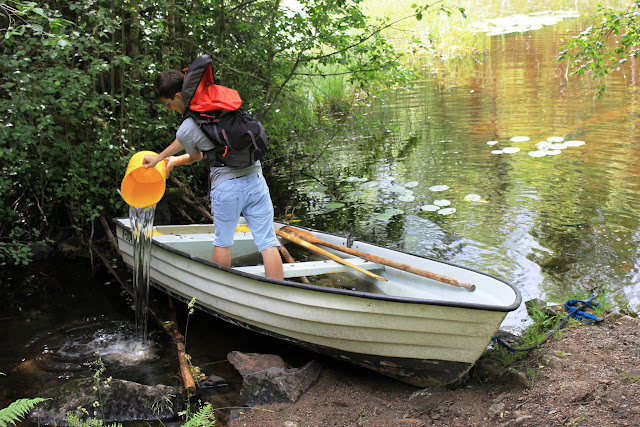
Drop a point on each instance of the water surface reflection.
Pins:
(556, 226)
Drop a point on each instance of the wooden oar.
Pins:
(325, 253)
(306, 236)
(287, 257)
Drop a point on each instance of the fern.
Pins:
(17, 410)
(203, 418)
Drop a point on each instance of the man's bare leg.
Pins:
(222, 255)
(272, 263)
(270, 258)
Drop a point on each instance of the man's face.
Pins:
(174, 104)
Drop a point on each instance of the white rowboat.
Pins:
(416, 329)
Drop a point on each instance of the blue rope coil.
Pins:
(574, 309)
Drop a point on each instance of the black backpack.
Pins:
(240, 140)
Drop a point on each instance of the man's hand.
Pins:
(150, 161)
(170, 163)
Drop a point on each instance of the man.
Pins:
(234, 191)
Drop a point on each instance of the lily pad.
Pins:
(353, 179)
(574, 143)
(442, 202)
(472, 197)
(411, 184)
(510, 150)
(519, 139)
(446, 211)
(557, 146)
(369, 184)
(335, 205)
(319, 189)
(555, 139)
(383, 216)
(429, 208)
(439, 188)
(542, 145)
(354, 194)
(397, 189)
(393, 211)
(492, 142)
(537, 153)
(497, 152)
(407, 198)
(553, 152)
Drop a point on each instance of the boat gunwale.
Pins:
(346, 292)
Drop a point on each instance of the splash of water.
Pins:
(142, 232)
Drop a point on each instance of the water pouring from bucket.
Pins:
(142, 188)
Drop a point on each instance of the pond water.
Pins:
(560, 226)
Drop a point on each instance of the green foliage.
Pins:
(13, 251)
(203, 418)
(604, 48)
(81, 419)
(16, 411)
(76, 90)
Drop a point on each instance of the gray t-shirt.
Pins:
(191, 137)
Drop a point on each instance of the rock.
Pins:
(552, 361)
(499, 398)
(523, 418)
(40, 251)
(248, 363)
(214, 381)
(235, 413)
(506, 336)
(409, 422)
(277, 385)
(634, 374)
(496, 409)
(420, 393)
(548, 309)
(516, 378)
(117, 401)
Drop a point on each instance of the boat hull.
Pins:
(424, 342)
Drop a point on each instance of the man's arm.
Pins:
(185, 159)
(150, 160)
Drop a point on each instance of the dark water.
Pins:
(559, 226)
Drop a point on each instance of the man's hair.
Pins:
(168, 84)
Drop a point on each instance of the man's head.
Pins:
(168, 89)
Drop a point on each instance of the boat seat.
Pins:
(312, 268)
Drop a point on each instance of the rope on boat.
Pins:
(574, 309)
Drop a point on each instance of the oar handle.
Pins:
(287, 257)
(325, 253)
(380, 260)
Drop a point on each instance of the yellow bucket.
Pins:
(142, 187)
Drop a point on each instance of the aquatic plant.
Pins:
(98, 383)
(16, 411)
(204, 417)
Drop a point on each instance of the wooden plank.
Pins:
(311, 268)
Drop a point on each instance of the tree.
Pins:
(604, 48)
(76, 88)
